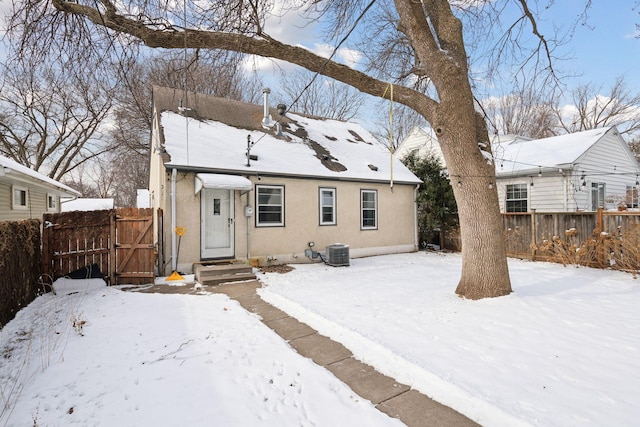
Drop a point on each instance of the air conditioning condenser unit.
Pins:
(337, 255)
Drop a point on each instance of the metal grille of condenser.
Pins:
(337, 255)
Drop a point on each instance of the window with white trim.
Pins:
(368, 209)
(52, 202)
(270, 205)
(516, 198)
(20, 198)
(327, 206)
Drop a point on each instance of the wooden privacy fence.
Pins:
(525, 232)
(119, 241)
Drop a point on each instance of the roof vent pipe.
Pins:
(266, 120)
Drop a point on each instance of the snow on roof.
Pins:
(86, 204)
(310, 147)
(517, 155)
(14, 166)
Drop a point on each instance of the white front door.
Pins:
(216, 223)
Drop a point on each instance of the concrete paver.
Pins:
(290, 328)
(366, 381)
(320, 349)
(417, 410)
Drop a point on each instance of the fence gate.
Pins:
(119, 241)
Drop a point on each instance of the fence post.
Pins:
(533, 235)
(113, 264)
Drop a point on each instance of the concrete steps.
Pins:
(222, 272)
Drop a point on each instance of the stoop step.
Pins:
(216, 274)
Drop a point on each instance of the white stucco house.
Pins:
(241, 181)
(27, 194)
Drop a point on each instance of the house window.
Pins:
(368, 209)
(20, 198)
(516, 200)
(270, 205)
(631, 196)
(52, 202)
(327, 206)
(597, 195)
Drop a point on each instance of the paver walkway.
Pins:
(395, 399)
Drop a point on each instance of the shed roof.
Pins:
(212, 136)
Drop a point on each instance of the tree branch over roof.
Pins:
(171, 37)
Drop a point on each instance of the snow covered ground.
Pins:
(562, 350)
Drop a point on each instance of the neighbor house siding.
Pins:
(607, 161)
(36, 203)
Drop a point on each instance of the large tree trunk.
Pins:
(463, 137)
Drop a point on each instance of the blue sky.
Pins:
(607, 46)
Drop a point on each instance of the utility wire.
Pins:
(326, 62)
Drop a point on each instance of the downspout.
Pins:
(248, 217)
(174, 244)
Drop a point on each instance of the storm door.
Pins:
(216, 223)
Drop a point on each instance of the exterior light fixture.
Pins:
(459, 184)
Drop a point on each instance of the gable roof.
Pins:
(14, 172)
(212, 136)
(422, 142)
(518, 155)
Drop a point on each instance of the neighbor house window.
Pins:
(20, 198)
(270, 205)
(631, 196)
(327, 206)
(52, 202)
(597, 195)
(369, 209)
(516, 200)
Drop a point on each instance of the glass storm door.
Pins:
(216, 223)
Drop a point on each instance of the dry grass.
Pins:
(620, 251)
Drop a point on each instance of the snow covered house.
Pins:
(27, 194)
(581, 171)
(245, 182)
(420, 142)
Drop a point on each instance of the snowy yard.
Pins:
(562, 350)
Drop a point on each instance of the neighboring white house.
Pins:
(241, 181)
(420, 142)
(581, 171)
(26, 194)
